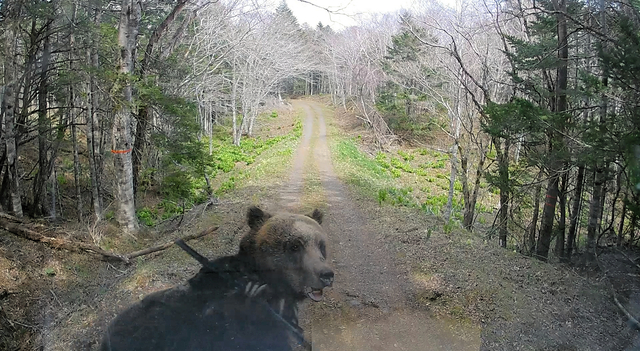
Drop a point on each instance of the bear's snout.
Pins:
(326, 277)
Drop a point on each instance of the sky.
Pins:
(345, 12)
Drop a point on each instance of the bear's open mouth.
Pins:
(314, 294)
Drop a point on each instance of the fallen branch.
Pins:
(10, 217)
(169, 244)
(21, 230)
(57, 243)
(632, 319)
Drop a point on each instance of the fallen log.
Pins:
(10, 217)
(22, 230)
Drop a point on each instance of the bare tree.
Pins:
(9, 104)
(466, 54)
(122, 143)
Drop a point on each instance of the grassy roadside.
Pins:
(417, 178)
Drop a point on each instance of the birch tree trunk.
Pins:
(121, 138)
(234, 106)
(9, 107)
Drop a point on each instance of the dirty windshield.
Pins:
(333, 175)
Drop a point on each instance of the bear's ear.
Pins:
(316, 215)
(256, 217)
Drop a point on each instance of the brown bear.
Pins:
(247, 301)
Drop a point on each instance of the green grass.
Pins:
(417, 178)
(406, 155)
(264, 156)
(395, 196)
(405, 166)
(227, 154)
(439, 164)
(358, 169)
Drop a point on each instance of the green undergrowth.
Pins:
(416, 178)
(228, 168)
(384, 177)
(357, 168)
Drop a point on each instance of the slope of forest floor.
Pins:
(54, 300)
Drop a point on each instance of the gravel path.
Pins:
(370, 306)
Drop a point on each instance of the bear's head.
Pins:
(289, 252)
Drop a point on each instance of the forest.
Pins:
(539, 99)
(131, 112)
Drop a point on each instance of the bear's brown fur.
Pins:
(243, 302)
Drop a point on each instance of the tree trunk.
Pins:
(466, 192)
(39, 206)
(4, 189)
(597, 200)
(254, 115)
(76, 162)
(603, 202)
(454, 163)
(575, 213)
(503, 172)
(140, 141)
(452, 181)
(54, 192)
(623, 214)
(92, 124)
(610, 226)
(471, 199)
(211, 128)
(595, 209)
(560, 238)
(234, 106)
(121, 138)
(634, 224)
(72, 118)
(3, 158)
(9, 127)
(533, 227)
(548, 214)
(560, 106)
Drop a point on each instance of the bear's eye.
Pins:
(295, 246)
(323, 249)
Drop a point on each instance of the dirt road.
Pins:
(371, 304)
